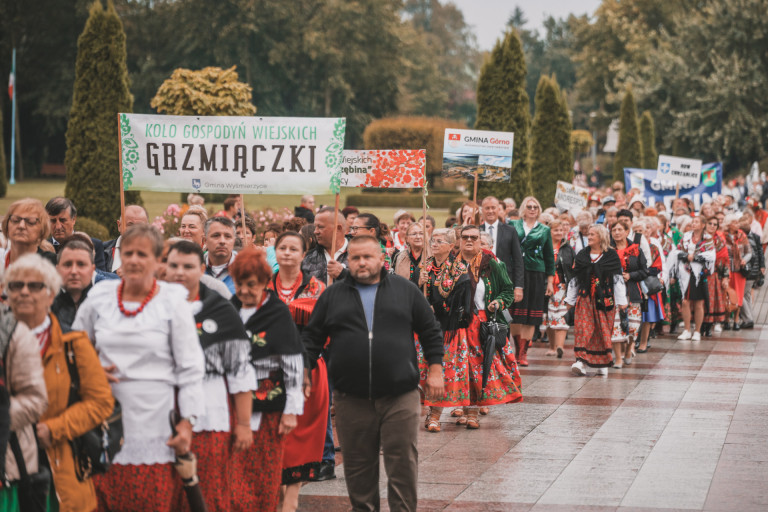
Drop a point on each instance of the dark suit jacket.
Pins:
(98, 252)
(508, 251)
(108, 247)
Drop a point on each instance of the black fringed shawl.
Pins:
(603, 270)
(271, 329)
(225, 343)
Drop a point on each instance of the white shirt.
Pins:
(619, 288)
(338, 253)
(116, 262)
(155, 353)
(494, 233)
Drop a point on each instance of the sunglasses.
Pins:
(470, 237)
(33, 286)
(531, 207)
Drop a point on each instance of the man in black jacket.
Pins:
(370, 317)
(63, 216)
(506, 244)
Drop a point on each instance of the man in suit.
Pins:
(134, 214)
(63, 215)
(506, 244)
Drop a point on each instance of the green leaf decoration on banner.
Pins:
(426, 193)
(130, 151)
(333, 154)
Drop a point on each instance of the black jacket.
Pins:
(109, 254)
(65, 308)
(757, 262)
(381, 362)
(314, 264)
(98, 252)
(637, 268)
(509, 252)
(564, 264)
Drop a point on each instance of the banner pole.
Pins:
(474, 198)
(333, 236)
(424, 228)
(122, 186)
(242, 212)
(677, 190)
(13, 121)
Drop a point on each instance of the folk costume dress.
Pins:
(228, 371)
(303, 451)
(564, 257)
(466, 289)
(277, 355)
(435, 300)
(716, 312)
(739, 253)
(539, 262)
(597, 288)
(655, 310)
(632, 262)
(160, 365)
(692, 276)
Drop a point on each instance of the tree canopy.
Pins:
(550, 141)
(208, 92)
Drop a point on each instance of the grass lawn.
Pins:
(156, 202)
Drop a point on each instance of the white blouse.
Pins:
(293, 373)
(155, 353)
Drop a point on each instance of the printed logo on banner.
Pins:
(383, 168)
(485, 154)
(709, 175)
(196, 184)
(664, 168)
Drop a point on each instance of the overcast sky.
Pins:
(489, 17)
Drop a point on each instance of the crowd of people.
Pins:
(228, 351)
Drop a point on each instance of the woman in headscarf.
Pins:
(717, 282)
(564, 257)
(408, 262)
(475, 288)
(739, 253)
(597, 288)
(303, 451)
(277, 356)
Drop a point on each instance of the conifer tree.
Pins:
(629, 152)
(502, 105)
(3, 169)
(648, 141)
(550, 141)
(100, 92)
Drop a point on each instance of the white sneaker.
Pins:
(602, 371)
(718, 328)
(696, 336)
(685, 336)
(578, 369)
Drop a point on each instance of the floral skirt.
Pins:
(557, 310)
(716, 312)
(592, 334)
(256, 472)
(635, 315)
(463, 371)
(738, 282)
(137, 487)
(212, 450)
(303, 450)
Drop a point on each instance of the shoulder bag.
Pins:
(651, 285)
(32, 490)
(95, 450)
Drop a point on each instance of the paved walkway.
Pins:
(684, 427)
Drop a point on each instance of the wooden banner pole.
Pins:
(242, 213)
(426, 240)
(122, 187)
(333, 236)
(474, 198)
(677, 190)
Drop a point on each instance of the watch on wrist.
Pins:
(191, 419)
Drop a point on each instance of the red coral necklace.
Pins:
(143, 304)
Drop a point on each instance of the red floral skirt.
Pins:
(716, 311)
(463, 371)
(303, 450)
(212, 450)
(592, 334)
(255, 473)
(738, 282)
(137, 487)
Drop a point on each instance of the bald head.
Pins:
(134, 214)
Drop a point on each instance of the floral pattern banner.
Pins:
(383, 168)
(228, 154)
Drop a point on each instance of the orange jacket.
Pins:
(67, 423)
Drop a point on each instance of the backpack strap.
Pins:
(74, 375)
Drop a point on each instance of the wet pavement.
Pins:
(684, 427)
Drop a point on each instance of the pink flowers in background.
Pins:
(168, 223)
(267, 216)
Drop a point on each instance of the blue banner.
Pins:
(654, 190)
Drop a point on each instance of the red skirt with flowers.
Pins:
(131, 487)
(463, 371)
(303, 450)
(592, 334)
(716, 312)
(212, 451)
(255, 473)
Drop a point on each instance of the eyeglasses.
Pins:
(33, 286)
(354, 229)
(417, 235)
(438, 242)
(531, 207)
(467, 238)
(29, 221)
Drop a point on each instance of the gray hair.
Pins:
(602, 233)
(487, 238)
(34, 263)
(448, 233)
(224, 221)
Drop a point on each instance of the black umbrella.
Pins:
(493, 336)
(186, 466)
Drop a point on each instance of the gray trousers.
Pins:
(363, 426)
(746, 314)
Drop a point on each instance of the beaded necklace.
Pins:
(287, 297)
(143, 304)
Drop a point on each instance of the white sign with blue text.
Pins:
(685, 171)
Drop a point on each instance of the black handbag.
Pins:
(270, 396)
(570, 317)
(95, 450)
(32, 490)
(651, 285)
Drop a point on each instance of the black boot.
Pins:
(706, 329)
(726, 326)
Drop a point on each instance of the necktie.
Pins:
(493, 238)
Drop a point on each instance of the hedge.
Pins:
(93, 228)
(401, 200)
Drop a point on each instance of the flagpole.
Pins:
(13, 121)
